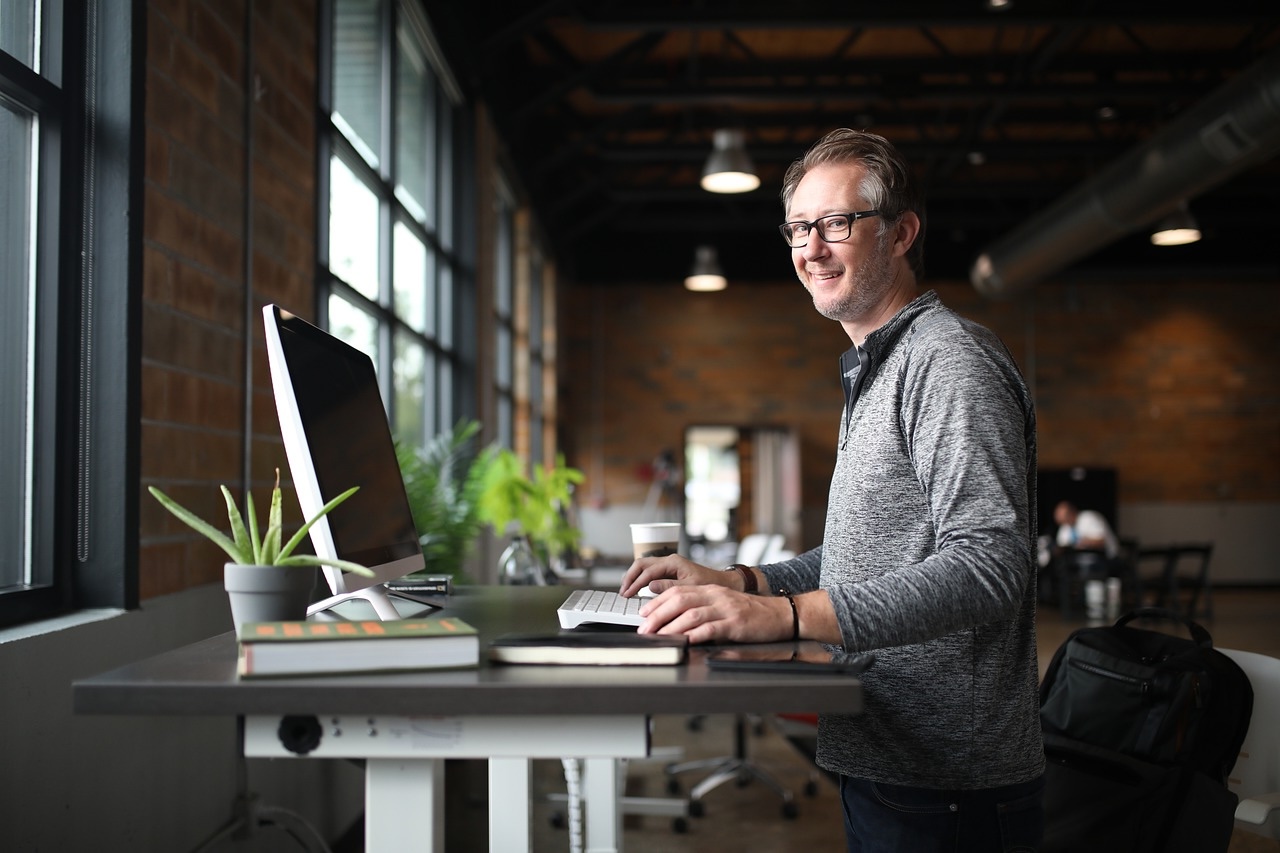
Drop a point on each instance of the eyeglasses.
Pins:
(835, 228)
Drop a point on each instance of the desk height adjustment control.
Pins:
(299, 733)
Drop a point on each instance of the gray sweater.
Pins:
(929, 559)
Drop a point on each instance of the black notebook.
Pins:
(599, 648)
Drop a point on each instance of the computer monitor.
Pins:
(336, 436)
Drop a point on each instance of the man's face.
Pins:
(850, 278)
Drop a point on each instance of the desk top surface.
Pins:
(200, 679)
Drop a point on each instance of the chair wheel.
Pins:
(673, 785)
(790, 811)
(680, 826)
(696, 808)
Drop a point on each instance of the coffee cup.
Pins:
(655, 538)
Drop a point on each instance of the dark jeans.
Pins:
(894, 818)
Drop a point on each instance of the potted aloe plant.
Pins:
(261, 578)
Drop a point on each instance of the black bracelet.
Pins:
(795, 617)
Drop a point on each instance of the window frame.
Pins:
(450, 270)
(87, 254)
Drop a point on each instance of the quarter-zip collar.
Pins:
(858, 363)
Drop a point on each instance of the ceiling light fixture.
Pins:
(706, 275)
(1176, 229)
(729, 169)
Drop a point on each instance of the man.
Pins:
(928, 553)
(1084, 529)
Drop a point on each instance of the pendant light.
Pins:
(1176, 229)
(706, 274)
(729, 169)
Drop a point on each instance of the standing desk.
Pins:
(404, 725)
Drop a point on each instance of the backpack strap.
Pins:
(1198, 632)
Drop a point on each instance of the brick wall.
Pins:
(1174, 384)
(645, 362)
(196, 232)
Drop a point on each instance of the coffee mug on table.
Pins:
(655, 538)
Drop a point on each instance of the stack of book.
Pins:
(331, 648)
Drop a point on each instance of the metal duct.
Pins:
(1233, 129)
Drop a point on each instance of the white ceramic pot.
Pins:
(268, 593)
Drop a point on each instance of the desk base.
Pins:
(404, 769)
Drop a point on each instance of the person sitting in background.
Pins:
(1084, 530)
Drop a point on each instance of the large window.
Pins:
(67, 392)
(397, 272)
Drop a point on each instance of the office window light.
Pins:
(394, 266)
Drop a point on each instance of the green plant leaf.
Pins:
(201, 526)
(255, 544)
(283, 555)
(443, 482)
(245, 550)
(313, 560)
(275, 524)
(243, 543)
(534, 504)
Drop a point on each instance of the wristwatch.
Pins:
(748, 577)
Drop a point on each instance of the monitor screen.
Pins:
(336, 436)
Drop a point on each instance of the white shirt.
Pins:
(1089, 525)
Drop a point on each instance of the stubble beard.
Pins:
(872, 279)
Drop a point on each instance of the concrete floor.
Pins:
(750, 817)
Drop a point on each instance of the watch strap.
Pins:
(749, 583)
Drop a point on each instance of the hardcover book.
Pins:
(328, 648)
(601, 648)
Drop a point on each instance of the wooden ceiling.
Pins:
(607, 111)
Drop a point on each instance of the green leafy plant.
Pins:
(443, 482)
(246, 546)
(533, 504)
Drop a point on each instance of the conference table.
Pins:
(405, 725)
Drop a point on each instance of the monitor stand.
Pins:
(386, 605)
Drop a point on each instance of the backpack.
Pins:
(1141, 729)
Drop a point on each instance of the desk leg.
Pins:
(601, 789)
(509, 802)
(404, 805)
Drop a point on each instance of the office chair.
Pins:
(801, 732)
(1172, 580)
(737, 767)
(1256, 777)
(1195, 557)
(755, 547)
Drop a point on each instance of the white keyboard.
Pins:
(592, 605)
